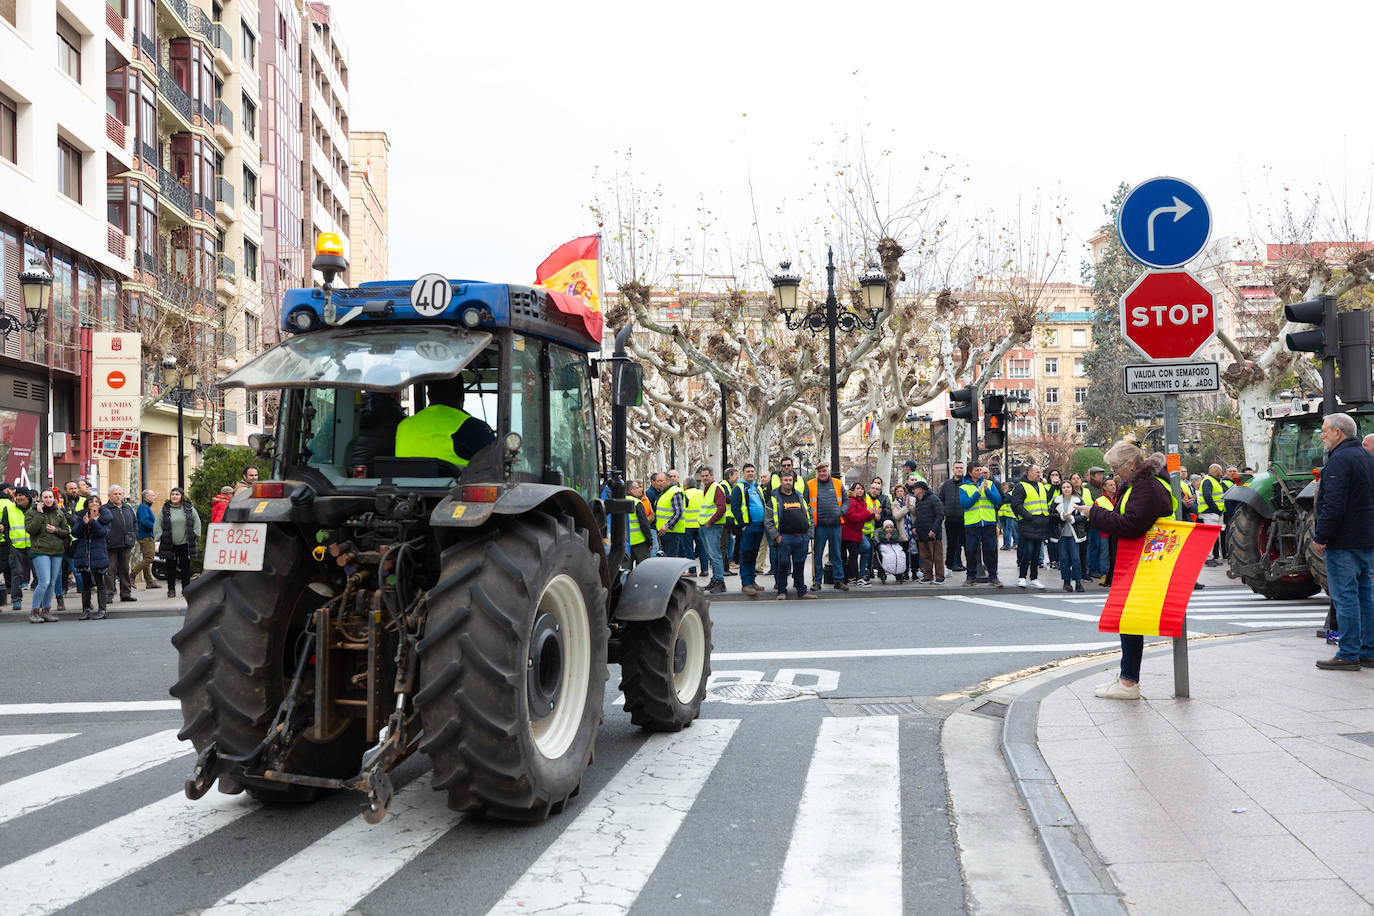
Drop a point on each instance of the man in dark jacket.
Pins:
(954, 518)
(927, 521)
(1030, 500)
(120, 540)
(1344, 534)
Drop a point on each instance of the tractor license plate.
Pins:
(235, 545)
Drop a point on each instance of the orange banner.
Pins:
(1153, 578)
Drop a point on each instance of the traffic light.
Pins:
(1321, 340)
(1342, 337)
(994, 422)
(967, 409)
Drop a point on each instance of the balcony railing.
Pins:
(173, 191)
(114, 240)
(179, 7)
(149, 153)
(227, 268)
(114, 129)
(148, 261)
(224, 116)
(176, 96)
(223, 41)
(114, 20)
(202, 23)
(224, 191)
(149, 45)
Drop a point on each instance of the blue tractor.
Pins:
(434, 562)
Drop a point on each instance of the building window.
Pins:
(69, 170)
(1078, 370)
(1080, 395)
(1080, 338)
(1051, 395)
(1051, 366)
(68, 49)
(250, 118)
(250, 45)
(1052, 427)
(252, 414)
(9, 128)
(250, 260)
(250, 188)
(1080, 426)
(252, 333)
(1018, 368)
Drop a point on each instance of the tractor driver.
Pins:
(443, 430)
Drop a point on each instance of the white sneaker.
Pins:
(1021, 582)
(1117, 690)
(1036, 583)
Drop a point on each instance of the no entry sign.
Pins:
(1168, 315)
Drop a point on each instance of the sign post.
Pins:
(1167, 314)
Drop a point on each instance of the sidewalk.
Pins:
(151, 602)
(1255, 796)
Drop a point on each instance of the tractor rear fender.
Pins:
(1248, 497)
(644, 592)
(1308, 497)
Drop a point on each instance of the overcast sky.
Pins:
(500, 115)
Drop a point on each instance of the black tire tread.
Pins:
(1243, 548)
(646, 664)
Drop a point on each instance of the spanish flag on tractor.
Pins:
(1153, 579)
(572, 275)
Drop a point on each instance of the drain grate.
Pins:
(758, 692)
(992, 708)
(1362, 737)
(891, 709)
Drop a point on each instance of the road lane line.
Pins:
(905, 652)
(415, 820)
(846, 850)
(1257, 624)
(602, 860)
(22, 796)
(1048, 612)
(43, 709)
(17, 744)
(60, 875)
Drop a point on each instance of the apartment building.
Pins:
(369, 161)
(283, 253)
(324, 130)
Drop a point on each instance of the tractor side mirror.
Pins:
(262, 444)
(627, 385)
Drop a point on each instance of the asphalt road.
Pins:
(759, 807)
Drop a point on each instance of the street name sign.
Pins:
(1173, 378)
(1164, 222)
(1168, 315)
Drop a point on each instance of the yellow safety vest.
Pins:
(14, 524)
(708, 505)
(982, 511)
(1103, 502)
(876, 507)
(1037, 501)
(1215, 491)
(637, 535)
(730, 490)
(429, 434)
(1121, 506)
(693, 512)
(665, 509)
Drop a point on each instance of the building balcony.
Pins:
(148, 45)
(224, 123)
(224, 198)
(115, 241)
(179, 20)
(224, 47)
(116, 22)
(121, 137)
(174, 194)
(202, 25)
(172, 97)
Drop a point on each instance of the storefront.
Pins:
(23, 427)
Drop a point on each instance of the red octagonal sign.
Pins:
(1168, 314)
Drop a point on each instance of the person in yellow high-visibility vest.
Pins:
(980, 497)
(670, 515)
(713, 507)
(729, 526)
(642, 538)
(691, 540)
(443, 430)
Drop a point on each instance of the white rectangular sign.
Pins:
(1173, 378)
(235, 545)
(116, 392)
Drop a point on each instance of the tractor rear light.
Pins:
(359, 471)
(480, 494)
(275, 490)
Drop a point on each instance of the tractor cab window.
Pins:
(1297, 446)
(572, 426)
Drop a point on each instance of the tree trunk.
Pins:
(887, 434)
(1255, 431)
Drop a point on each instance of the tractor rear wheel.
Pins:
(236, 657)
(1247, 541)
(513, 666)
(1315, 563)
(664, 663)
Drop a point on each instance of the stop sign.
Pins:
(1168, 314)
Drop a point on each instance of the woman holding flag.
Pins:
(1144, 499)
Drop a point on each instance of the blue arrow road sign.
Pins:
(1164, 223)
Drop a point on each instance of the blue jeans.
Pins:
(1069, 570)
(792, 558)
(1348, 582)
(749, 538)
(981, 541)
(865, 557)
(1010, 533)
(687, 548)
(1132, 649)
(1028, 558)
(710, 539)
(827, 537)
(47, 569)
(1097, 556)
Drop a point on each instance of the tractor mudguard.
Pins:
(519, 499)
(1249, 497)
(645, 590)
(1308, 497)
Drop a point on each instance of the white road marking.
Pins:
(846, 849)
(60, 875)
(415, 820)
(1254, 624)
(602, 860)
(906, 652)
(43, 709)
(67, 780)
(1234, 614)
(17, 744)
(1048, 612)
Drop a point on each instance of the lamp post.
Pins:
(831, 318)
(175, 380)
(36, 286)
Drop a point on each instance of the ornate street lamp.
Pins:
(36, 286)
(831, 318)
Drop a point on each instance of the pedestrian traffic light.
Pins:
(1322, 339)
(994, 422)
(967, 408)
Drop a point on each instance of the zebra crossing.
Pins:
(843, 851)
(1230, 609)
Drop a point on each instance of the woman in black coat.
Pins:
(91, 555)
(1144, 500)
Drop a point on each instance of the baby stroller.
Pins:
(892, 559)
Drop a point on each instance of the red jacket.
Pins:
(217, 507)
(852, 524)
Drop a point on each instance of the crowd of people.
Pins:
(917, 533)
(55, 541)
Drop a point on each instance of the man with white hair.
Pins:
(1211, 507)
(120, 542)
(1344, 535)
